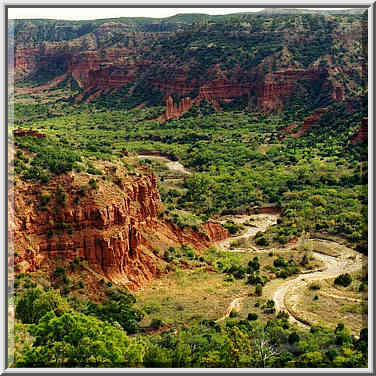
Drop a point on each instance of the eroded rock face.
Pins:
(309, 122)
(269, 93)
(362, 134)
(279, 86)
(25, 61)
(21, 132)
(98, 69)
(114, 228)
(215, 231)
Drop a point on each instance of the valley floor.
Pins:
(197, 293)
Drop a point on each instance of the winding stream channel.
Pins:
(172, 165)
(347, 260)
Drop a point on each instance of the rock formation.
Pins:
(362, 134)
(277, 87)
(21, 132)
(310, 121)
(270, 94)
(114, 227)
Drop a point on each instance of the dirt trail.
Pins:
(234, 304)
(260, 222)
(172, 165)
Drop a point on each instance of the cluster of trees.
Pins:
(49, 156)
(63, 337)
(318, 180)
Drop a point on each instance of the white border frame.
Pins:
(219, 3)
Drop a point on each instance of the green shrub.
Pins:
(362, 287)
(59, 271)
(315, 286)
(234, 313)
(282, 274)
(262, 240)
(280, 262)
(93, 183)
(304, 260)
(45, 197)
(167, 257)
(234, 228)
(283, 315)
(61, 195)
(156, 323)
(343, 280)
(252, 316)
(253, 265)
(93, 171)
(255, 279)
(269, 307)
(258, 290)
(293, 338)
(82, 190)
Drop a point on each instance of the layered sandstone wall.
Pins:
(98, 70)
(114, 228)
(270, 93)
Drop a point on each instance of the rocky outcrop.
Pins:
(97, 65)
(362, 134)
(278, 87)
(25, 61)
(175, 110)
(20, 132)
(212, 93)
(114, 227)
(215, 231)
(270, 93)
(308, 123)
(288, 129)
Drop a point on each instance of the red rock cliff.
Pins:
(270, 93)
(362, 134)
(113, 227)
(310, 121)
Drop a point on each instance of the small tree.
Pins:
(258, 290)
(343, 280)
(304, 260)
(61, 195)
(252, 316)
(293, 338)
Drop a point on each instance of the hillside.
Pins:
(198, 56)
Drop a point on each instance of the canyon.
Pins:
(101, 59)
